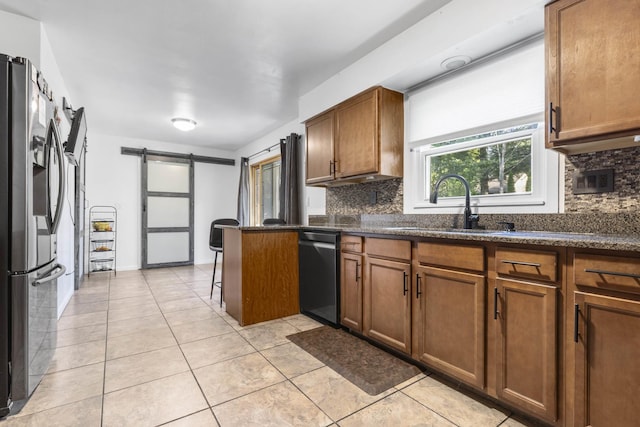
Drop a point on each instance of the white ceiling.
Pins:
(237, 67)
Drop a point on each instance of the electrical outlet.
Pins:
(590, 182)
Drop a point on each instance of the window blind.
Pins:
(507, 87)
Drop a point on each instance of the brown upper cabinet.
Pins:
(320, 135)
(359, 139)
(593, 61)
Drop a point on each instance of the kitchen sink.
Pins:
(521, 234)
(407, 228)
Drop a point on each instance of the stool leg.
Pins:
(213, 279)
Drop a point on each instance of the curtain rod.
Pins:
(267, 150)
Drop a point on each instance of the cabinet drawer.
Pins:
(465, 257)
(607, 272)
(387, 248)
(531, 264)
(351, 243)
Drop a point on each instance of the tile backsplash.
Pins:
(625, 196)
(357, 199)
(354, 199)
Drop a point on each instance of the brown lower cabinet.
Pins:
(607, 361)
(449, 322)
(260, 274)
(555, 335)
(386, 293)
(527, 346)
(387, 303)
(351, 291)
(603, 345)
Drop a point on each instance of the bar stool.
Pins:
(215, 244)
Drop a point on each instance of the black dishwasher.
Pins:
(319, 258)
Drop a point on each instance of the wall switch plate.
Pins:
(590, 182)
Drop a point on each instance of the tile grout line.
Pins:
(187, 362)
(106, 338)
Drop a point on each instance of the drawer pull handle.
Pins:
(357, 270)
(612, 273)
(495, 303)
(528, 264)
(418, 293)
(576, 317)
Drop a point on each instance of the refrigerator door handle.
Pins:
(53, 129)
(51, 275)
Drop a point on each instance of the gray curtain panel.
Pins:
(289, 180)
(243, 193)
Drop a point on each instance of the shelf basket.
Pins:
(102, 264)
(101, 245)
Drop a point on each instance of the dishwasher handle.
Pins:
(317, 236)
(317, 244)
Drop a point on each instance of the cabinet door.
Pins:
(592, 68)
(606, 358)
(351, 291)
(527, 349)
(320, 139)
(387, 303)
(450, 322)
(357, 139)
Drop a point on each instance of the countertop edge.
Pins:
(573, 240)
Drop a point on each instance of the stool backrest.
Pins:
(215, 234)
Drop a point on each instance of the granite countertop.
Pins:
(548, 238)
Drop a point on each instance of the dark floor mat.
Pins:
(366, 366)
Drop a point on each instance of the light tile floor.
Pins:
(148, 348)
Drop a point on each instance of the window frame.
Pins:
(255, 209)
(545, 165)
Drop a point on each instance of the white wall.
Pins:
(114, 179)
(20, 36)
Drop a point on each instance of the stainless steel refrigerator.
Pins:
(31, 194)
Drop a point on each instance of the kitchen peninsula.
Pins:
(260, 273)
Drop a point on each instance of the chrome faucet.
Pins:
(469, 219)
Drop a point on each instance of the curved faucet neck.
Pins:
(467, 191)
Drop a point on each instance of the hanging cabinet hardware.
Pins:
(495, 303)
(332, 167)
(418, 293)
(612, 273)
(553, 129)
(528, 264)
(576, 317)
(404, 284)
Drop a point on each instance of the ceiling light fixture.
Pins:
(455, 62)
(183, 124)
